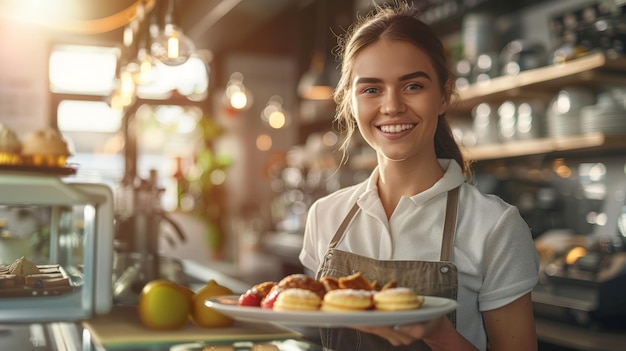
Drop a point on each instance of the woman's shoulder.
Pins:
(344, 197)
(472, 197)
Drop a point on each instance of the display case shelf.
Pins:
(594, 69)
(589, 142)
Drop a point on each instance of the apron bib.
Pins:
(423, 277)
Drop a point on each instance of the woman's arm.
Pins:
(509, 328)
(438, 333)
(512, 327)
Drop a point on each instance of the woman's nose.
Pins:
(392, 104)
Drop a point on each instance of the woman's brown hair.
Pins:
(395, 22)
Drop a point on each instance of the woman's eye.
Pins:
(370, 90)
(413, 86)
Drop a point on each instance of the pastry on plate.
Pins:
(303, 281)
(347, 300)
(330, 283)
(397, 299)
(296, 299)
(23, 267)
(357, 281)
(45, 147)
(10, 146)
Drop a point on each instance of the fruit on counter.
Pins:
(164, 305)
(203, 315)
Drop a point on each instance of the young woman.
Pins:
(416, 220)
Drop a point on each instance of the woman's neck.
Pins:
(405, 178)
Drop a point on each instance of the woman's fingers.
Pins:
(404, 334)
(396, 335)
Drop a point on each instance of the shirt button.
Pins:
(329, 255)
(444, 269)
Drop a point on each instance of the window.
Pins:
(88, 70)
(82, 79)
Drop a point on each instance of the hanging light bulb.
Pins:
(172, 46)
(143, 66)
(236, 94)
(273, 114)
(123, 95)
(147, 71)
(127, 84)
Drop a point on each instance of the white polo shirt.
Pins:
(493, 250)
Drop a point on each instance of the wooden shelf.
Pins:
(593, 69)
(587, 142)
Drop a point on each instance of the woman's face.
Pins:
(396, 99)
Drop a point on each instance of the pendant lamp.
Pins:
(172, 46)
(318, 83)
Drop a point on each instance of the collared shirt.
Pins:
(494, 252)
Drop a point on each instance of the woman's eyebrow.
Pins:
(417, 74)
(367, 80)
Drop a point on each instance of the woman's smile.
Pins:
(396, 128)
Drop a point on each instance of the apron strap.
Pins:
(343, 226)
(449, 225)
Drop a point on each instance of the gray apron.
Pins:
(423, 277)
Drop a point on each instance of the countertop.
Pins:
(82, 336)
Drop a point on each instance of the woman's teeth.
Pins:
(396, 128)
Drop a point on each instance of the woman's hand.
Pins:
(439, 334)
(405, 334)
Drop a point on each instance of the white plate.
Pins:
(432, 307)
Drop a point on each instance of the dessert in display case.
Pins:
(56, 241)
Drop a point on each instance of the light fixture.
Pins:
(318, 83)
(144, 71)
(143, 67)
(273, 114)
(123, 95)
(172, 46)
(236, 94)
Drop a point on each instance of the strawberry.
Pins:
(268, 301)
(249, 298)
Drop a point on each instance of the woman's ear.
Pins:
(448, 90)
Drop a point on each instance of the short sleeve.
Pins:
(511, 263)
(309, 256)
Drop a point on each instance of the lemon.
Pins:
(164, 305)
(204, 316)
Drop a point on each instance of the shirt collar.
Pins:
(452, 178)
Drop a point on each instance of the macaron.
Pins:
(296, 299)
(397, 299)
(347, 300)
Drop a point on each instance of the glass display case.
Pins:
(56, 248)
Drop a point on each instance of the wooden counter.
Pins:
(579, 338)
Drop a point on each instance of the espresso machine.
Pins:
(583, 282)
(139, 228)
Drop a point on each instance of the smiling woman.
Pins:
(414, 219)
